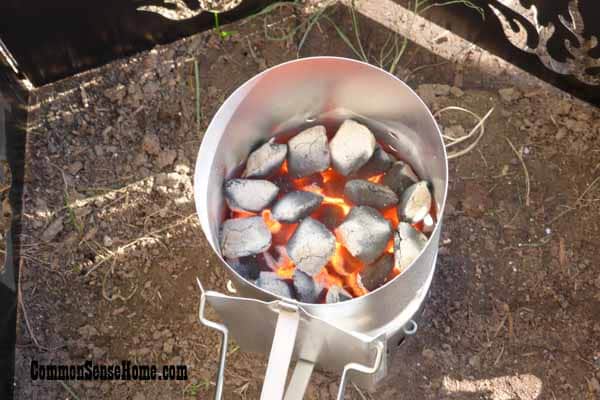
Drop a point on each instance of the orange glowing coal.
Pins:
(342, 269)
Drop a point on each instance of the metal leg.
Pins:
(281, 352)
(360, 368)
(299, 380)
(224, 332)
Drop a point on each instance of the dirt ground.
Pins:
(112, 245)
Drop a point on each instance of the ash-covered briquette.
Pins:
(252, 195)
(311, 246)
(271, 282)
(399, 177)
(241, 237)
(415, 202)
(266, 160)
(335, 294)
(365, 193)
(365, 233)
(351, 147)
(374, 275)
(305, 287)
(247, 267)
(308, 152)
(408, 243)
(330, 215)
(381, 161)
(295, 206)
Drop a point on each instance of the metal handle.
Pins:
(225, 333)
(281, 352)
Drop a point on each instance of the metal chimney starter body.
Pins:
(355, 337)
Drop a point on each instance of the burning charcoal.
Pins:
(408, 243)
(374, 275)
(311, 246)
(399, 177)
(365, 233)
(308, 152)
(266, 160)
(241, 237)
(305, 287)
(249, 195)
(330, 215)
(247, 267)
(335, 294)
(296, 205)
(365, 193)
(415, 202)
(380, 162)
(271, 282)
(351, 147)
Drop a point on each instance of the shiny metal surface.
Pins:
(326, 90)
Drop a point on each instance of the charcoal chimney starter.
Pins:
(353, 336)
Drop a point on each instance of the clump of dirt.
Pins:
(113, 246)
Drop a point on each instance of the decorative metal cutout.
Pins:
(179, 10)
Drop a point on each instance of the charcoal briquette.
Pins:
(295, 206)
(330, 215)
(247, 267)
(408, 243)
(252, 195)
(271, 282)
(365, 233)
(311, 246)
(241, 237)
(308, 152)
(374, 275)
(351, 147)
(305, 287)
(381, 161)
(399, 177)
(266, 160)
(365, 193)
(335, 294)
(415, 202)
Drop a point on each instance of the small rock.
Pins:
(375, 275)
(53, 229)
(429, 92)
(330, 215)
(266, 160)
(562, 132)
(474, 361)
(335, 294)
(107, 240)
(509, 94)
(75, 167)
(456, 92)
(249, 194)
(351, 147)
(241, 237)
(563, 107)
(151, 144)
(311, 246)
(271, 282)
(415, 202)
(399, 177)
(364, 233)
(166, 158)
(428, 354)
(365, 193)
(295, 206)
(308, 152)
(168, 346)
(305, 288)
(87, 331)
(116, 94)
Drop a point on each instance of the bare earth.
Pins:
(112, 246)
